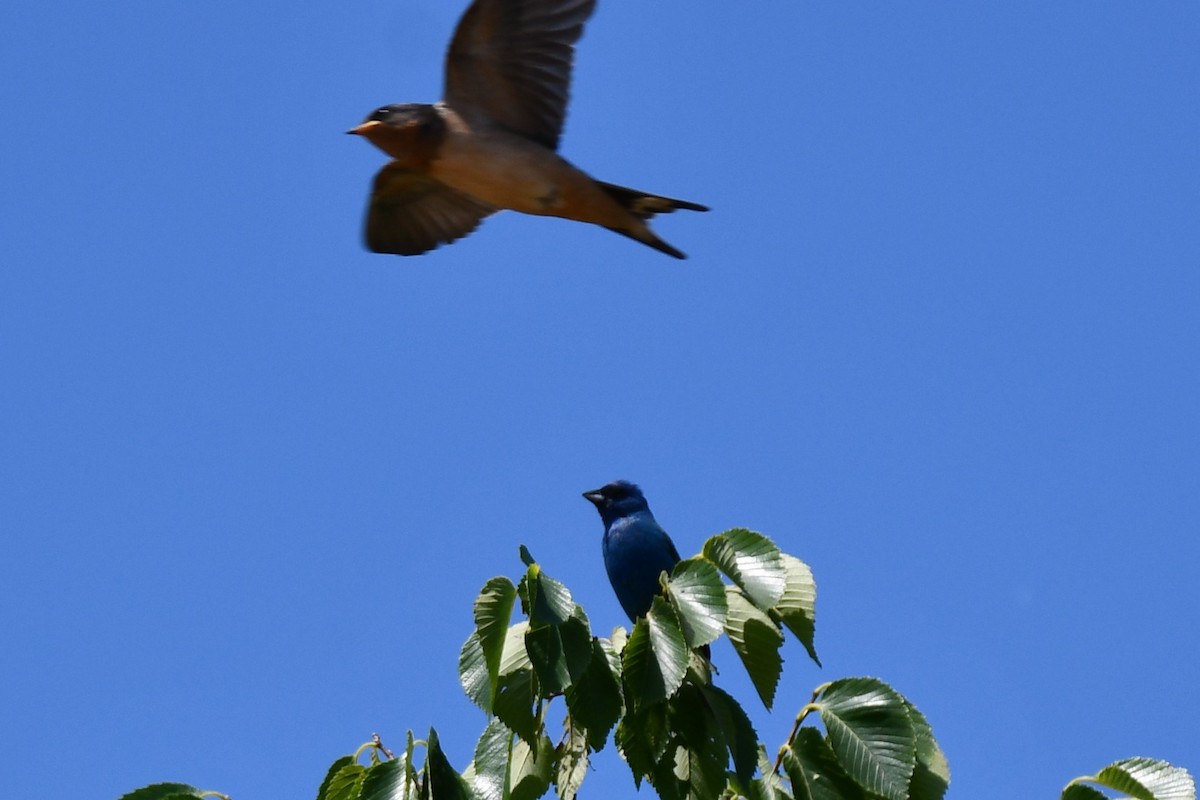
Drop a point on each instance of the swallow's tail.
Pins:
(643, 206)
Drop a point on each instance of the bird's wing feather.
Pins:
(510, 61)
(411, 213)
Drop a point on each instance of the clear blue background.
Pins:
(939, 338)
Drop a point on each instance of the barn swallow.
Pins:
(491, 143)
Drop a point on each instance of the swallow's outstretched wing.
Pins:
(411, 213)
(509, 64)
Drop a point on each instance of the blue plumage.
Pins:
(636, 548)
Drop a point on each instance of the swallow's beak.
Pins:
(363, 129)
(594, 497)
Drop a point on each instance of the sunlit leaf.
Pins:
(531, 770)
(814, 771)
(1144, 779)
(491, 761)
(698, 595)
(871, 734)
(572, 762)
(756, 639)
(444, 781)
(656, 658)
(752, 561)
(493, 609)
(796, 609)
(389, 780)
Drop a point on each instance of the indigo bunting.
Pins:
(636, 548)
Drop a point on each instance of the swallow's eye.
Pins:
(380, 114)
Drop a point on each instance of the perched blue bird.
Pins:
(636, 548)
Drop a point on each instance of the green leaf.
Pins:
(797, 608)
(514, 703)
(560, 654)
(756, 639)
(814, 771)
(491, 761)
(346, 783)
(696, 591)
(443, 781)
(493, 609)
(548, 602)
(700, 771)
(473, 673)
(389, 780)
(768, 786)
(526, 557)
(752, 561)
(572, 755)
(931, 775)
(656, 658)
(333, 770)
(871, 734)
(641, 738)
(700, 767)
(594, 701)
(162, 791)
(737, 731)
(531, 770)
(1081, 791)
(1144, 779)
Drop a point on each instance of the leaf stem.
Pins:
(804, 712)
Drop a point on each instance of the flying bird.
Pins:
(491, 142)
(636, 548)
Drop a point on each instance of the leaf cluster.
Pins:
(651, 691)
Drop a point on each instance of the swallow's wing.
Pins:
(411, 213)
(510, 64)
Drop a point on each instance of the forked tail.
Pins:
(644, 206)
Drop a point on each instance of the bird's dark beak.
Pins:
(366, 127)
(594, 497)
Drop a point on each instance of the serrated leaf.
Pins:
(491, 761)
(333, 770)
(514, 703)
(931, 774)
(531, 770)
(656, 658)
(389, 780)
(756, 639)
(473, 673)
(752, 561)
(572, 758)
(814, 771)
(346, 783)
(162, 791)
(1081, 791)
(442, 780)
(1145, 779)
(515, 658)
(701, 772)
(594, 700)
(549, 602)
(871, 734)
(559, 653)
(696, 591)
(797, 607)
(493, 610)
(641, 738)
(737, 731)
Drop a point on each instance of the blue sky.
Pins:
(938, 337)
